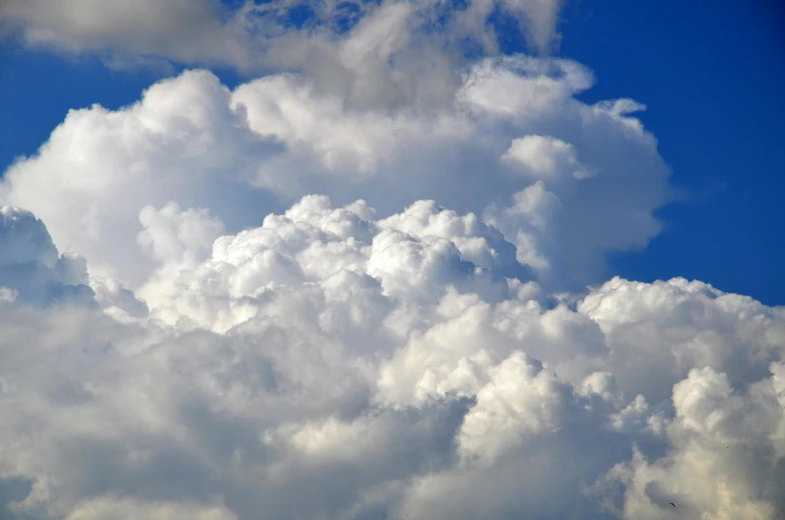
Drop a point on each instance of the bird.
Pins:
(671, 503)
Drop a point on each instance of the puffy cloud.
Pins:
(174, 236)
(26, 239)
(519, 402)
(544, 157)
(294, 369)
(725, 459)
(181, 143)
(684, 325)
(31, 269)
(337, 291)
(238, 154)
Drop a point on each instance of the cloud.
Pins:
(240, 154)
(330, 363)
(725, 455)
(183, 30)
(182, 142)
(248, 34)
(368, 283)
(544, 157)
(31, 269)
(369, 54)
(174, 236)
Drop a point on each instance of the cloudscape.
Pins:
(370, 279)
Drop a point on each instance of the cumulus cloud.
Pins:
(31, 269)
(193, 142)
(331, 364)
(181, 143)
(174, 236)
(368, 284)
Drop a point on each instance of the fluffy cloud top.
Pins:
(194, 142)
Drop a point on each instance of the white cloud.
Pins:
(174, 236)
(31, 270)
(291, 371)
(181, 143)
(335, 291)
(192, 142)
(544, 157)
(519, 402)
(692, 324)
(725, 458)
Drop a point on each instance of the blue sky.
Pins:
(710, 72)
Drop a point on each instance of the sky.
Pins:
(386, 259)
(709, 72)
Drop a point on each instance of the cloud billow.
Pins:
(356, 292)
(330, 364)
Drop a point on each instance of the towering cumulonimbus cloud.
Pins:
(368, 283)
